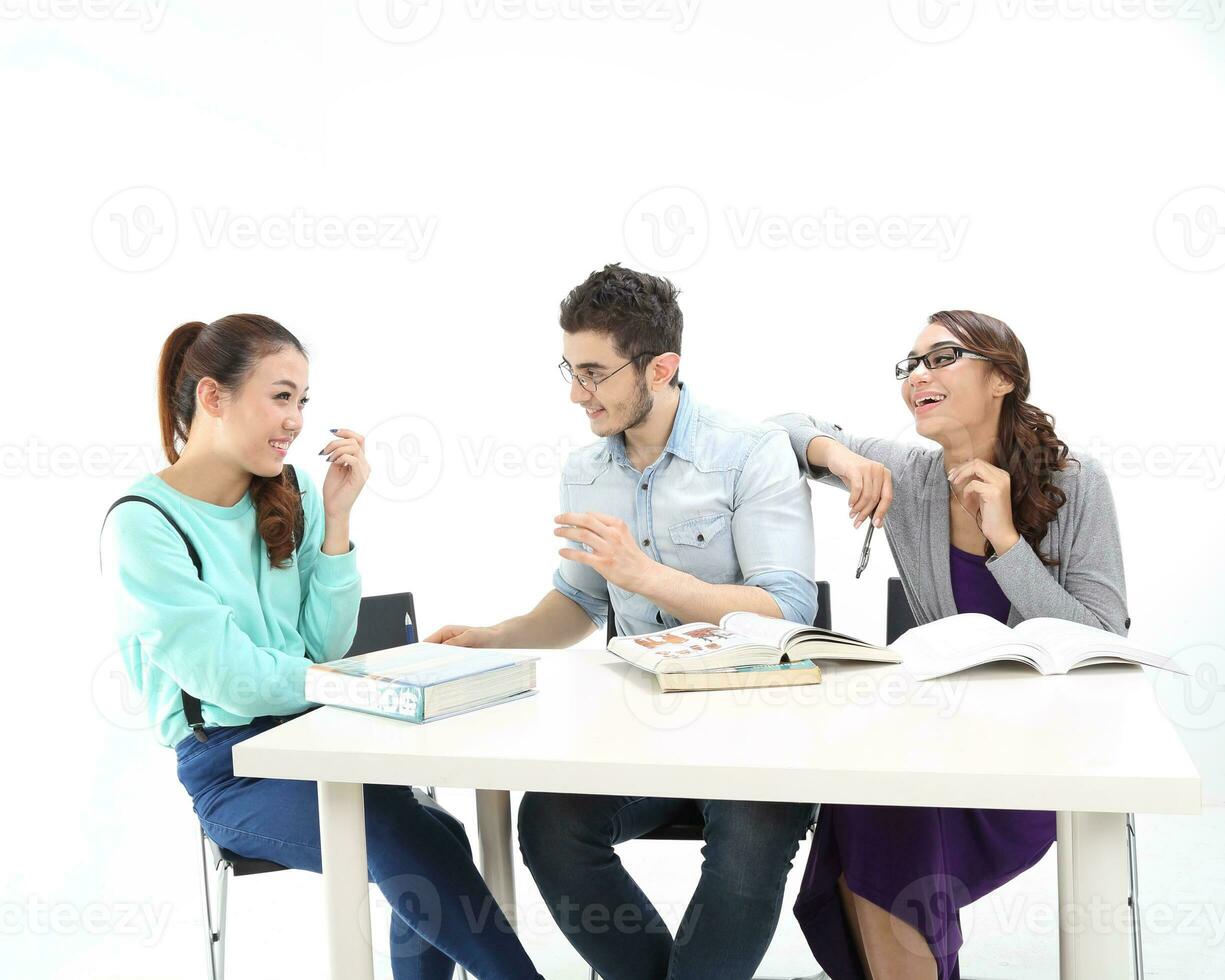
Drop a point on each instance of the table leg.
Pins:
(346, 896)
(1094, 917)
(497, 859)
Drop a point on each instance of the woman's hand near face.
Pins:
(870, 483)
(985, 491)
(345, 478)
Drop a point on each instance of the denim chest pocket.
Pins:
(704, 548)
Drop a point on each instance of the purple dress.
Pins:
(922, 864)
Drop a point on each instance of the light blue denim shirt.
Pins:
(725, 502)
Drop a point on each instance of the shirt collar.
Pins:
(680, 441)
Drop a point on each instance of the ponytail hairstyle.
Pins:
(1027, 446)
(227, 351)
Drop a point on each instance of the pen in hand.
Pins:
(867, 550)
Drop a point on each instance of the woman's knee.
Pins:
(394, 814)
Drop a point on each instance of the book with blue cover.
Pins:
(423, 681)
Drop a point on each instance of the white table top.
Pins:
(1000, 736)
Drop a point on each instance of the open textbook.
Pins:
(1050, 646)
(741, 639)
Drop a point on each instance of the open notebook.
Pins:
(1050, 646)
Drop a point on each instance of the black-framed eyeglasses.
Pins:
(934, 360)
(590, 384)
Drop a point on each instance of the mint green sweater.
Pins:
(240, 638)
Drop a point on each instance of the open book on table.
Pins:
(741, 639)
(1050, 646)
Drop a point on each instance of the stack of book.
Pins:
(422, 682)
(743, 650)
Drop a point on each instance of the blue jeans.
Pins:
(442, 912)
(567, 843)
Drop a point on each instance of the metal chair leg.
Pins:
(215, 936)
(1133, 867)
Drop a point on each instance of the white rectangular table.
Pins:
(1093, 746)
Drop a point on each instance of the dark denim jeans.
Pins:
(420, 858)
(567, 843)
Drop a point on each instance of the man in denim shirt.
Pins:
(680, 514)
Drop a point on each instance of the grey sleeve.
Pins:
(802, 429)
(1094, 592)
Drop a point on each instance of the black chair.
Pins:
(691, 828)
(382, 621)
(898, 619)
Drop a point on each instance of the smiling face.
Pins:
(260, 419)
(964, 397)
(620, 402)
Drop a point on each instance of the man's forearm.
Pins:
(691, 600)
(556, 622)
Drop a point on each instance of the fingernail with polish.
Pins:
(333, 431)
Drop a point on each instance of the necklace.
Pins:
(976, 518)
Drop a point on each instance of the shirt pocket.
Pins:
(704, 548)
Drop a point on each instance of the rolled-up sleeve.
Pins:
(578, 582)
(772, 527)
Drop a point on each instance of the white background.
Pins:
(412, 190)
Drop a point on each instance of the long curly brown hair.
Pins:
(1027, 446)
(227, 351)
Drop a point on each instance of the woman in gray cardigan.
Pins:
(997, 520)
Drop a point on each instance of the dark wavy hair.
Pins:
(1027, 446)
(639, 312)
(227, 351)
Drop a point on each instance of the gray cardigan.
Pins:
(1085, 587)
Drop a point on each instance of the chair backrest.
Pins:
(823, 617)
(380, 623)
(898, 617)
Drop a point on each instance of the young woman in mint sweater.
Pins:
(277, 588)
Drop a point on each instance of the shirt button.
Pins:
(701, 537)
(644, 486)
(646, 542)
